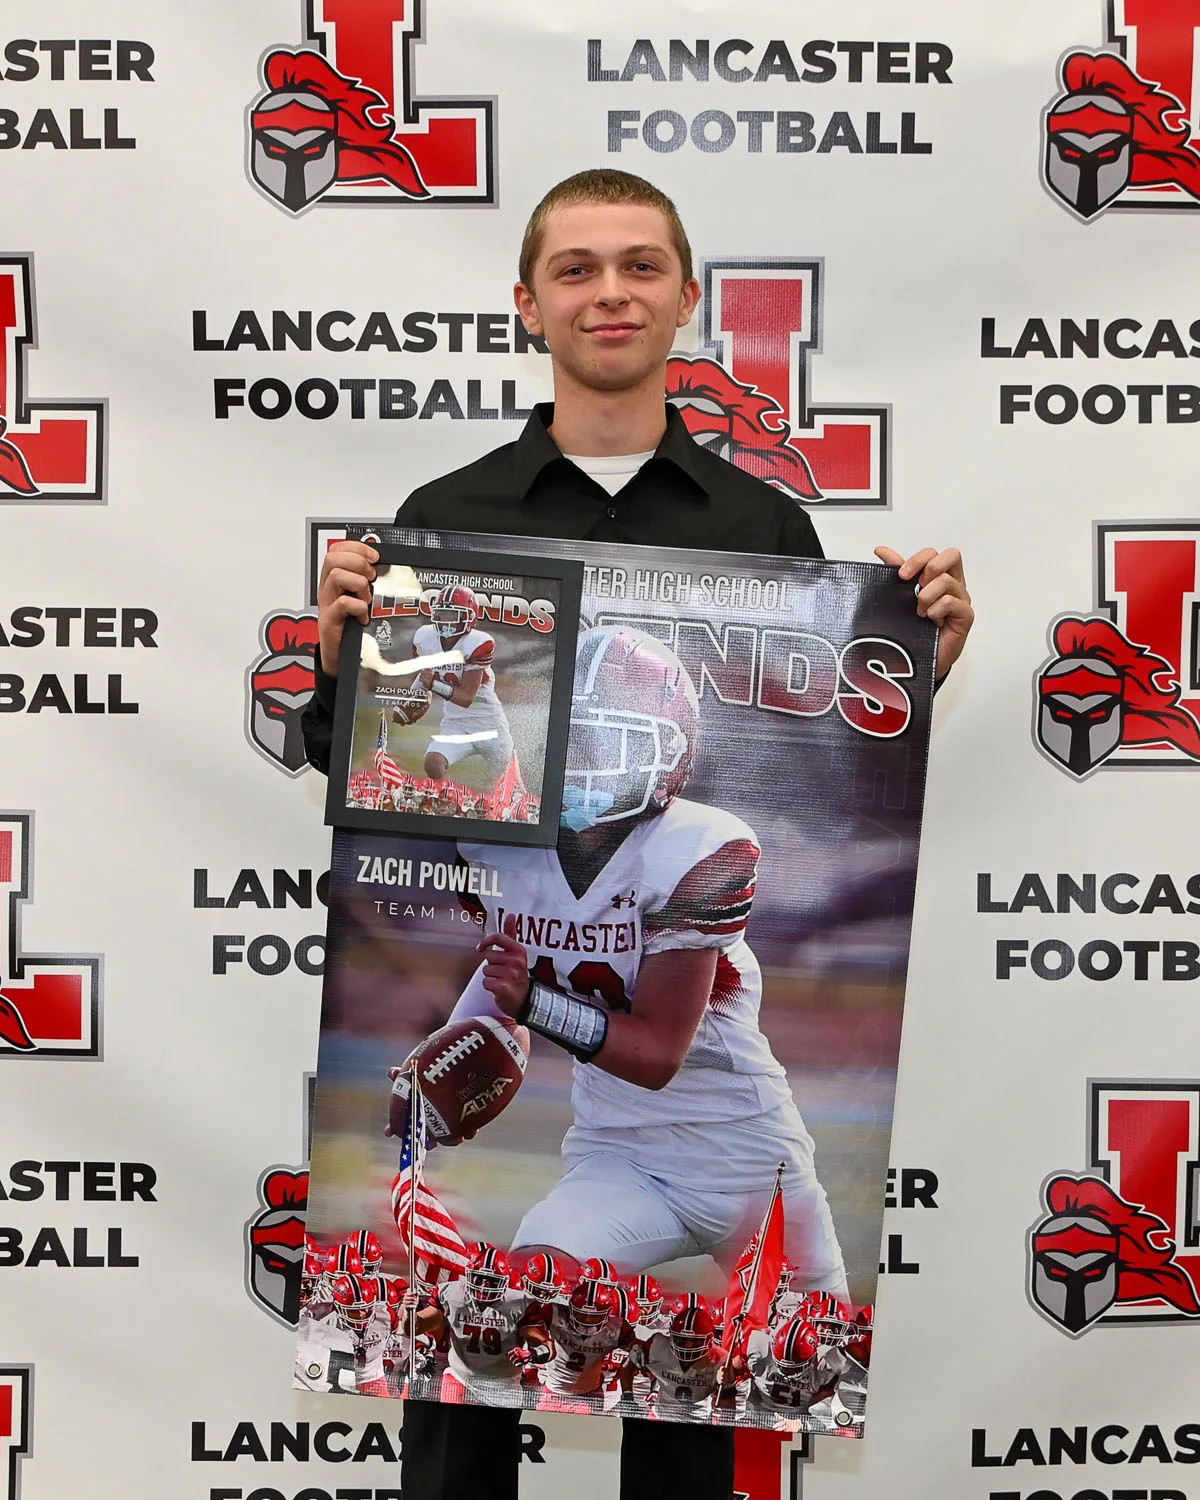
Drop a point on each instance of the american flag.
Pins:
(389, 772)
(436, 1243)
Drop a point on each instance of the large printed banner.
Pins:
(745, 775)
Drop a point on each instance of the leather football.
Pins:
(468, 1073)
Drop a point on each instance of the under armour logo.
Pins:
(620, 901)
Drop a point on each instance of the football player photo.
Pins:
(455, 712)
(618, 1107)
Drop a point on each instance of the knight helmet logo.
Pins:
(50, 451)
(1119, 1243)
(16, 1426)
(1119, 688)
(747, 397)
(49, 1003)
(1121, 133)
(337, 121)
(278, 687)
(275, 1242)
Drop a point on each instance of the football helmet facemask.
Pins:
(635, 727)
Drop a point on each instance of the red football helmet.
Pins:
(648, 1295)
(370, 1251)
(692, 1334)
(543, 1280)
(596, 1269)
(794, 1346)
(688, 1302)
(454, 612)
(343, 1260)
(635, 728)
(834, 1323)
(786, 1272)
(627, 1304)
(592, 1304)
(488, 1275)
(353, 1299)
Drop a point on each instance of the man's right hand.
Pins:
(344, 592)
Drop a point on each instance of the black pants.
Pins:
(473, 1453)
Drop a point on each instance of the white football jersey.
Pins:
(791, 1393)
(577, 1368)
(676, 1383)
(482, 1334)
(369, 1343)
(478, 650)
(681, 879)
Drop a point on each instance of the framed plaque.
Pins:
(454, 699)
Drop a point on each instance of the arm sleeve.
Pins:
(316, 722)
(710, 906)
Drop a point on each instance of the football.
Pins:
(413, 704)
(468, 1072)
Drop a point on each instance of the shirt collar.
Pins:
(536, 449)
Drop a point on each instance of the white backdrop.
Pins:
(202, 523)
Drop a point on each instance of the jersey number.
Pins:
(590, 979)
(487, 1338)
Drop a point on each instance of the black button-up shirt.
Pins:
(683, 496)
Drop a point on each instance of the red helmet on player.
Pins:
(649, 1296)
(597, 1269)
(834, 1322)
(343, 1260)
(627, 1304)
(454, 611)
(446, 799)
(635, 727)
(794, 1346)
(542, 1279)
(692, 1333)
(592, 1304)
(353, 1298)
(488, 1275)
(394, 1289)
(370, 1251)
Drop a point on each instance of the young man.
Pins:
(606, 278)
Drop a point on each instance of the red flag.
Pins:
(756, 1275)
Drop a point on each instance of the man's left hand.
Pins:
(941, 596)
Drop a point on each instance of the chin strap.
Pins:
(575, 1024)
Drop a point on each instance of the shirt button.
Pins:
(611, 512)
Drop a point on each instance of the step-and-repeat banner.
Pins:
(948, 257)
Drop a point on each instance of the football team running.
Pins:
(555, 1335)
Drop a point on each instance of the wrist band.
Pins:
(442, 689)
(574, 1024)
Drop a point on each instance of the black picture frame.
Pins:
(567, 575)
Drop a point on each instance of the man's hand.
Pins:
(506, 968)
(343, 593)
(942, 596)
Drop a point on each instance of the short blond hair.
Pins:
(601, 185)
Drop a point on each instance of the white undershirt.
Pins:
(610, 473)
